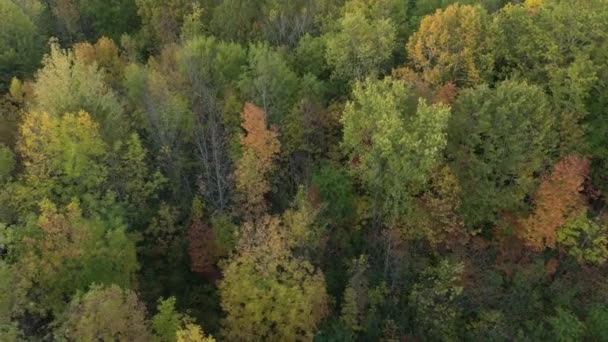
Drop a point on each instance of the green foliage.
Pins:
(356, 296)
(394, 140)
(104, 313)
(234, 20)
(300, 221)
(550, 46)
(63, 252)
(565, 326)
(109, 18)
(498, 140)
(20, 44)
(161, 20)
(336, 192)
(362, 44)
(215, 63)
(193, 333)
(224, 232)
(132, 180)
(68, 85)
(597, 323)
(7, 162)
(585, 239)
(167, 321)
(340, 203)
(435, 299)
(165, 117)
(269, 82)
(10, 302)
(309, 56)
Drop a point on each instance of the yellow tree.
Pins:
(268, 294)
(260, 148)
(67, 84)
(450, 46)
(104, 314)
(63, 157)
(192, 333)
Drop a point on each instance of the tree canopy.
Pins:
(303, 170)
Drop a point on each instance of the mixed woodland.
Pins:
(303, 170)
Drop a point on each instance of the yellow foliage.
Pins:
(192, 333)
(450, 46)
(533, 4)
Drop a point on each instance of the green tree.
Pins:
(362, 44)
(212, 69)
(585, 239)
(498, 140)
(165, 117)
(161, 20)
(10, 299)
(235, 20)
(286, 21)
(269, 82)
(20, 48)
(549, 45)
(193, 333)
(565, 326)
(7, 162)
(394, 139)
(167, 321)
(356, 301)
(63, 252)
(132, 179)
(597, 323)
(108, 18)
(336, 191)
(104, 314)
(66, 84)
(435, 299)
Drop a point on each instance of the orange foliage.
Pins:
(260, 148)
(262, 141)
(558, 198)
(446, 94)
(105, 54)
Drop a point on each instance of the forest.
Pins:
(303, 170)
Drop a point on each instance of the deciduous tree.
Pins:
(267, 293)
(435, 299)
(63, 252)
(63, 157)
(498, 140)
(362, 44)
(394, 139)
(558, 200)
(451, 46)
(105, 314)
(20, 48)
(66, 84)
(260, 147)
